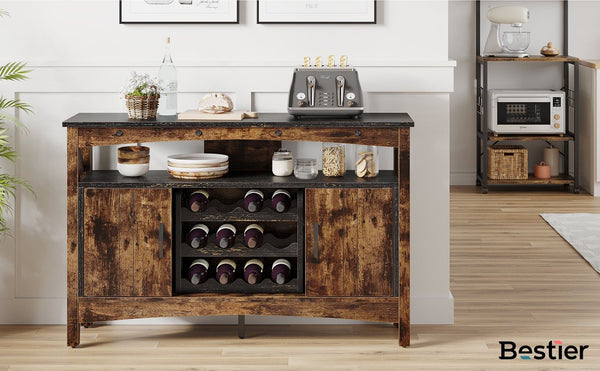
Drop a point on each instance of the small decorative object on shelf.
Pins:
(216, 103)
(549, 50)
(551, 157)
(253, 270)
(198, 200)
(306, 168)
(507, 162)
(198, 271)
(253, 200)
(542, 171)
(167, 75)
(133, 160)
(226, 271)
(198, 236)
(141, 95)
(283, 163)
(281, 271)
(367, 161)
(253, 235)
(281, 200)
(334, 159)
(226, 236)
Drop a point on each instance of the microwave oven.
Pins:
(527, 111)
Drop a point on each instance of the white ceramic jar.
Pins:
(283, 163)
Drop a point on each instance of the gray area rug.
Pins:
(582, 231)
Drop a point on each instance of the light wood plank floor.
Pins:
(512, 277)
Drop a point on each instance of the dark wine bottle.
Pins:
(253, 235)
(198, 236)
(198, 200)
(198, 271)
(281, 200)
(281, 271)
(253, 200)
(253, 270)
(226, 236)
(226, 271)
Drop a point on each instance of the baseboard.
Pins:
(463, 178)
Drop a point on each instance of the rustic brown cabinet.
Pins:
(350, 242)
(126, 242)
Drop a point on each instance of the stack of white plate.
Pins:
(198, 165)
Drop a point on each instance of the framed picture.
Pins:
(316, 11)
(178, 11)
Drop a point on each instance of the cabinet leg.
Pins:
(241, 327)
(73, 329)
(395, 324)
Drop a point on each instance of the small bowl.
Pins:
(133, 169)
(516, 41)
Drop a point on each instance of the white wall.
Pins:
(81, 57)
(545, 25)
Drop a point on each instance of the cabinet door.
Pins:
(127, 242)
(350, 242)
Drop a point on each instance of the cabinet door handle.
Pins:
(316, 242)
(161, 232)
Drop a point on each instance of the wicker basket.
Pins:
(507, 162)
(143, 107)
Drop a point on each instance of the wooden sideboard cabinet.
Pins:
(347, 238)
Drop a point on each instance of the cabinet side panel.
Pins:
(324, 275)
(350, 242)
(152, 273)
(126, 256)
(101, 241)
(375, 242)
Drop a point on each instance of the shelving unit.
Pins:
(486, 138)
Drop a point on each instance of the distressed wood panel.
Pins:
(404, 237)
(126, 239)
(248, 155)
(350, 241)
(73, 176)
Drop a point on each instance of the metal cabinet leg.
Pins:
(241, 326)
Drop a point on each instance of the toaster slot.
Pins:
(311, 83)
(341, 87)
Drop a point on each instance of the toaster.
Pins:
(331, 91)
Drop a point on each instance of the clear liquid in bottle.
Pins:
(167, 74)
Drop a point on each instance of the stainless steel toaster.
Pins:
(331, 91)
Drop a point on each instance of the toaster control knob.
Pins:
(557, 116)
(350, 96)
(301, 103)
(301, 96)
(352, 103)
(556, 125)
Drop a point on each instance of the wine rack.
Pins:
(283, 238)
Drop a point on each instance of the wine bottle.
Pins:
(198, 200)
(198, 271)
(226, 236)
(253, 200)
(226, 271)
(281, 271)
(253, 270)
(198, 236)
(167, 74)
(253, 235)
(281, 200)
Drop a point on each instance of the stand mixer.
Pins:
(509, 44)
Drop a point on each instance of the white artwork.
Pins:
(316, 11)
(178, 11)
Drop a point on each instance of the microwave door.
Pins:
(524, 111)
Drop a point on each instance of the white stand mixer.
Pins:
(510, 44)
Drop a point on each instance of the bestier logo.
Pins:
(553, 350)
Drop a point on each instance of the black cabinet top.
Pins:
(366, 120)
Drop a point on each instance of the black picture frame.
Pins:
(236, 21)
(374, 21)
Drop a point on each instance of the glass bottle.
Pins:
(334, 159)
(167, 74)
(367, 161)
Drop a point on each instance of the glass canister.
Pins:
(306, 168)
(283, 164)
(334, 159)
(367, 161)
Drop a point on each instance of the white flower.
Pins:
(140, 85)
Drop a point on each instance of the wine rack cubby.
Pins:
(282, 238)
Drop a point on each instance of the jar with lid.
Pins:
(367, 161)
(306, 168)
(283, 164)
(334, 159)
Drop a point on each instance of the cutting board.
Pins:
(197, 115)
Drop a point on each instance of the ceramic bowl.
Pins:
(133, 169)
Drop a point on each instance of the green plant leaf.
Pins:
(4, 13)
(16, 104)
(14, 71)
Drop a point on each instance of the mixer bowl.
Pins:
(515, 41)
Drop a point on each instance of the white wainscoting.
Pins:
(33, 263)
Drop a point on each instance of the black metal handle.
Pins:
(198, 133)
(161, 232)
(118, 133)
(277, 133)
(316, 242)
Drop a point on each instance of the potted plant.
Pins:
(141, 95)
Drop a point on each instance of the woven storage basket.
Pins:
(507, 162)
(143, 107)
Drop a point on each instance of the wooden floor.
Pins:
(513, 278)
